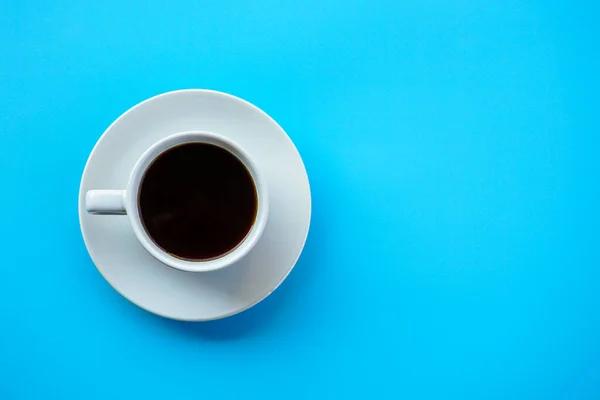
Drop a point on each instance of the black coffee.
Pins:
(197, 201)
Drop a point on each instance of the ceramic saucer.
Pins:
(197, 296)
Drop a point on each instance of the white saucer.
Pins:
(197, 296)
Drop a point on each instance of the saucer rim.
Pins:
(81, 206)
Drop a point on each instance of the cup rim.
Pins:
(133, 211)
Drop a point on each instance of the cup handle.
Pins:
(105, 202)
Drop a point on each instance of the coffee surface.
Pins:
(197, 201)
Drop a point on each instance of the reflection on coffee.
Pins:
(197, 201)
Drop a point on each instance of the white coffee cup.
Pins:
(110, 202)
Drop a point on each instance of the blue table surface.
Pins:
(452, 150)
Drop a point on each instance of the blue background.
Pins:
(452, 149)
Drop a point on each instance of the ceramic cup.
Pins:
(111, 202)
